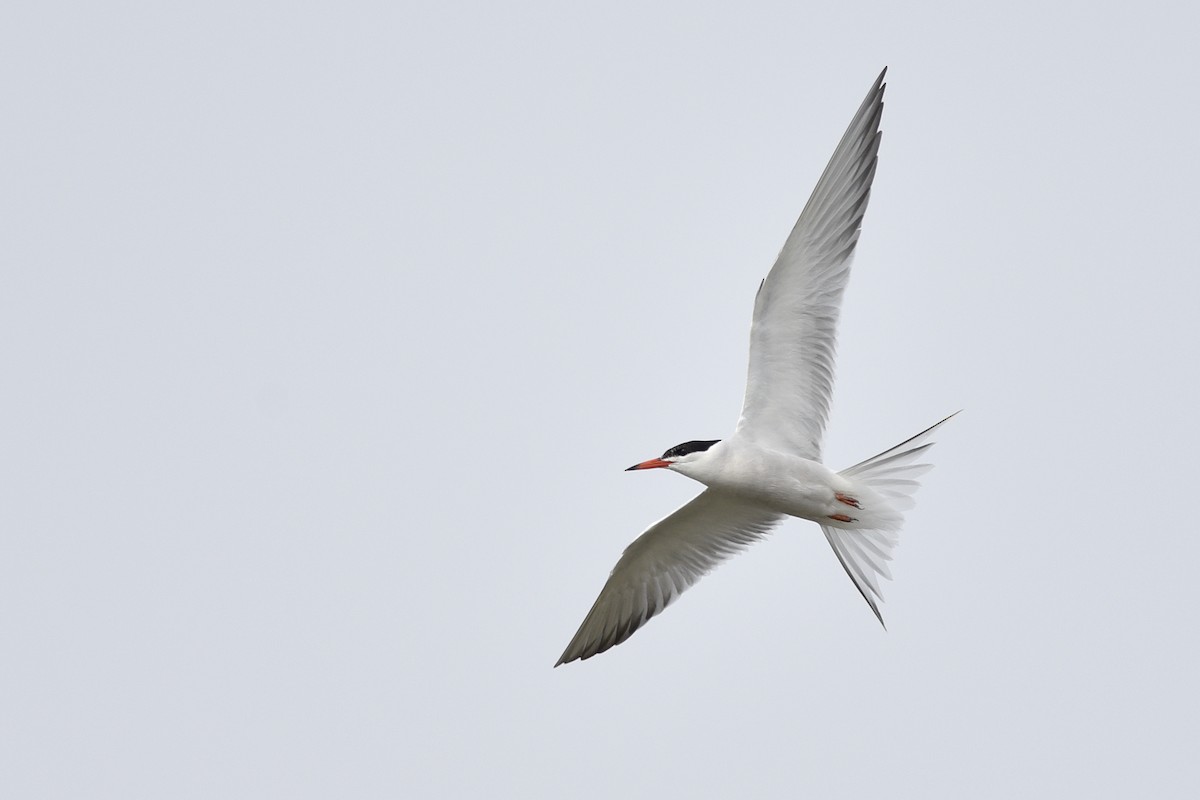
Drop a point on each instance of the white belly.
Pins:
(788, 484)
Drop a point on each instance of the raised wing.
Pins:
(663, 562)
(792, 339)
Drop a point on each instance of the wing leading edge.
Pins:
(793, 336)
(665, 561)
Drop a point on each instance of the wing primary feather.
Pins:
(665, 561)
(793, 336)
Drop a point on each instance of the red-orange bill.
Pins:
(653, 463)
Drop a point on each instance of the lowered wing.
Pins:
(663, 562)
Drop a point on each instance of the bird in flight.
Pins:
(770, 468)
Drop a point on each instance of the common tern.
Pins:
(770, 468)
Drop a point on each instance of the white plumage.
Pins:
(770, 468)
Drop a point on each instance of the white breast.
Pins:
(778, 481)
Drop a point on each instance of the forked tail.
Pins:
(884, 485)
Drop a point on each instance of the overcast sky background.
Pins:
(327, 331)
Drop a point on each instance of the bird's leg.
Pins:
(842, 518)
(847, 499)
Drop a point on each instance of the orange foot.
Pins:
(847, 499)
(842, 518)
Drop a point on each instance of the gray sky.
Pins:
(327, 331)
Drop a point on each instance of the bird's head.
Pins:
(678, 456)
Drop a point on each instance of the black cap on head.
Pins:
(689, 447)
